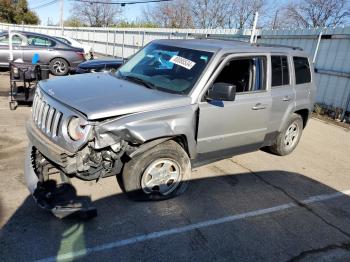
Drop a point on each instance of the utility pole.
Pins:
(61, 20)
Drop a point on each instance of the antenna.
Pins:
(252, 36)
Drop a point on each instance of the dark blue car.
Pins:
(97, 65)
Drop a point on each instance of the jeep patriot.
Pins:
(176, 104)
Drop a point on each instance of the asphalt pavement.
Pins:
(252, 207)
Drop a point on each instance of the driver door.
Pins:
(232, 127)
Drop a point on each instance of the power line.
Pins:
(102, 2)
(120, 2)
(45, 4)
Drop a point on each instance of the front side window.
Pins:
(247, 74)
(39, 41)
(4, 39)
(302, 70)
(167, 68)
(279, 71)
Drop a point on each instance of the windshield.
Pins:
(166, 68)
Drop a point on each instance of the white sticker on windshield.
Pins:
(178, 60)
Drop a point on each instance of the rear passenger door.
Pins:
(282, 91)
(38, 45)
(303, 80)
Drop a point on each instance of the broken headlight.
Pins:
(77, 128)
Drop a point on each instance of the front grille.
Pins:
(46, 117)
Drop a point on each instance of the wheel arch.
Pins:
(60, 58)
(304, 113)
(180, 139)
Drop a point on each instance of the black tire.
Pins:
(281, 146)
(135, 172)
(59, 67)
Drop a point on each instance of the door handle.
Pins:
(286, 98)
(259, 106)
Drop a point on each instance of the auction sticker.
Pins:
(181, 61)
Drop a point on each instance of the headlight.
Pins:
(77, 128)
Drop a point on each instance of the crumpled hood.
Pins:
(101, 95)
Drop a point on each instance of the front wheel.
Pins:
(160, 173)
(59, 67)
(289, 137)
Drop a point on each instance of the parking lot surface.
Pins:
(252, 207)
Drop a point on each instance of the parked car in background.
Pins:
(70, 41)
(97, 65)
(175, 105)
(60, 56)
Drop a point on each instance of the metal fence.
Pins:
(332, 61)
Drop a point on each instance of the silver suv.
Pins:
(175, 105)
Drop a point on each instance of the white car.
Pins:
(70, 41)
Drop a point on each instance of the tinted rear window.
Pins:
(280, 71)
(302, 70)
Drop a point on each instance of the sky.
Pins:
(132, 12)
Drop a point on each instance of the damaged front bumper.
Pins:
(60, 199)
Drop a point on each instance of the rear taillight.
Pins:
(81, 55)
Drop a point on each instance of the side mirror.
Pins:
(222, 91)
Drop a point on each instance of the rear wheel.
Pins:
(59, 67)
(289, 138)
(160, 173)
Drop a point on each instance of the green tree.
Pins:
(6, 11)
(17, 11)
(74, 22)
(136, 24)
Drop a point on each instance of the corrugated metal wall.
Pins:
(332, 62)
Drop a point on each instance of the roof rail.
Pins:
(286, 46)
(237, 40)
(213, 37)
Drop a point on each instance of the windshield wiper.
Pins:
(140, 81)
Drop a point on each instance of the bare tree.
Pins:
(96, 14)
(274, 15)
(317, 13)
(175, 14)
(242, 12)
(210, 13)
(188, 14)
(205, 13)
